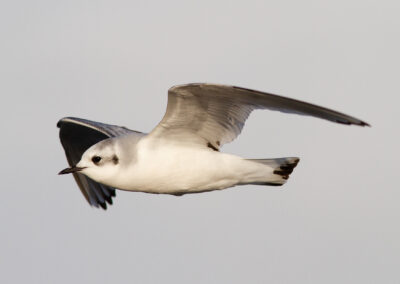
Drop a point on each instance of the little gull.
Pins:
(181, 154)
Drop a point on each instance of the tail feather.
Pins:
(282, 167)
(286, 168)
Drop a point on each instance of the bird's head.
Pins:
(100, 162)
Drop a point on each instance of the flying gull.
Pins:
(182, 153)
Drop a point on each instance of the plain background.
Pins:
(335, 221)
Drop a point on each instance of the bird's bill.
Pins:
(70, 170)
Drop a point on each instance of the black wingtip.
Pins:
(362, 124)
(358, 123)
(61, 121)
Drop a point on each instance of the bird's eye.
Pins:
(96, 159)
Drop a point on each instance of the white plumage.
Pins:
(181, 155)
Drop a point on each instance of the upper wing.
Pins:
(215, 114)
(76, 136)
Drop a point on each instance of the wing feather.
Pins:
(76, 136)
(215, 114)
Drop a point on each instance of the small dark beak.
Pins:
(70, 170)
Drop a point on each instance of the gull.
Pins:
(182, 153)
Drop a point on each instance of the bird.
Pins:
(181, 154)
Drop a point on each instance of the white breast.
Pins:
(168, 168)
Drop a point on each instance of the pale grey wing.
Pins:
(76, 136)
(213, 115)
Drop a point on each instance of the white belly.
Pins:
(172, 169)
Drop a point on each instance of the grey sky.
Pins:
(335, 221)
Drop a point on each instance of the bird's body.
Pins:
(162, 167)
(182, 154)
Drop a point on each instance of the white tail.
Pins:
(282, 168)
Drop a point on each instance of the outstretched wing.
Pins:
(76, 136)
(212, 115)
